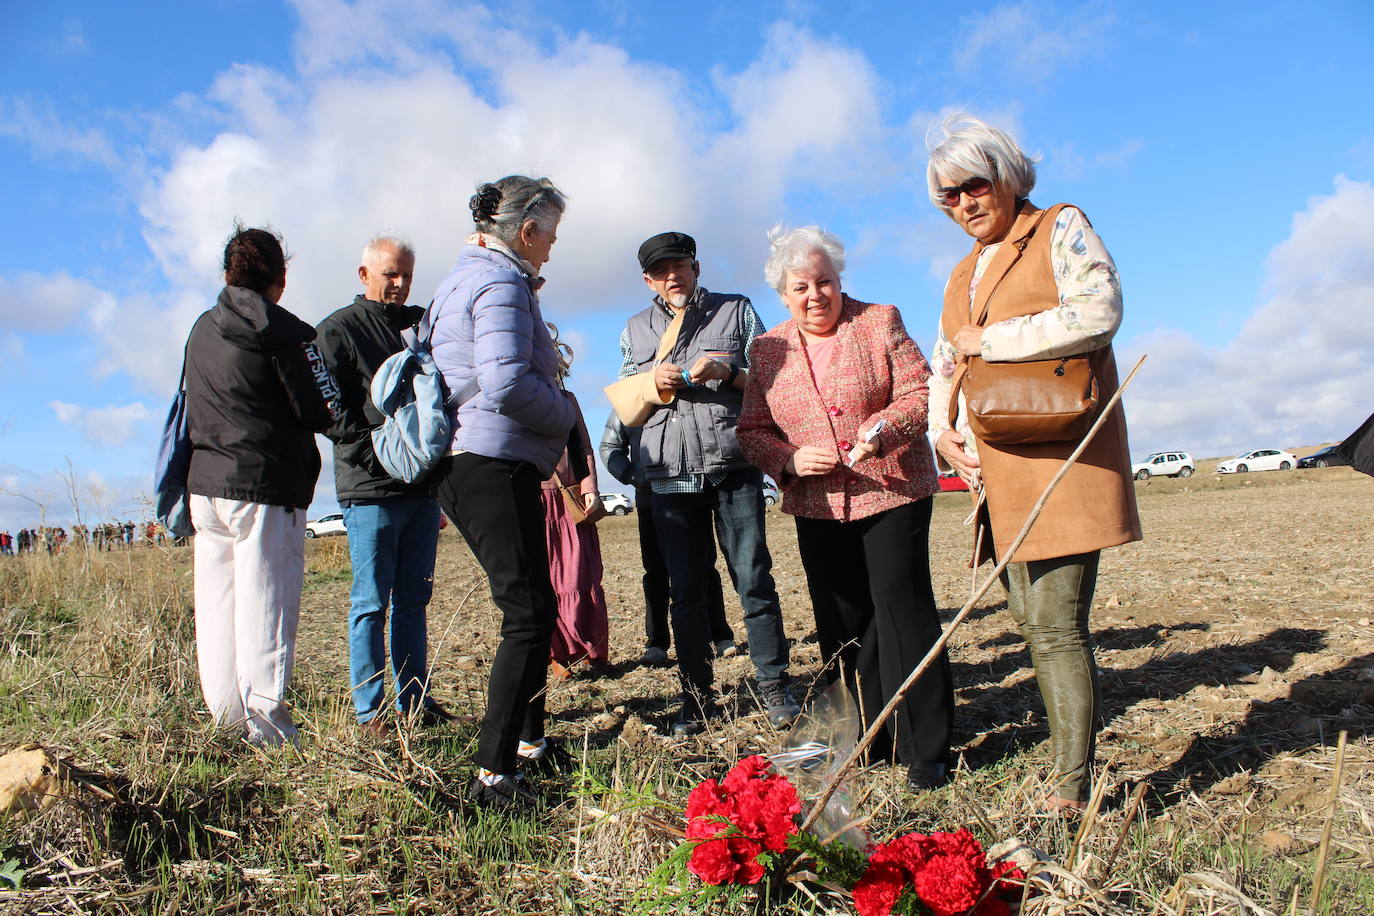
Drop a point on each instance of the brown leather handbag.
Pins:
(1043, 400)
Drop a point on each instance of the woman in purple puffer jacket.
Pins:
(508, 436)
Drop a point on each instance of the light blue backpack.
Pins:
(173, 507)
(408, 390)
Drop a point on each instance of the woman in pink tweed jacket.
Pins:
(819, 385)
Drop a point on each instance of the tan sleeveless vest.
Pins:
(1094, 505)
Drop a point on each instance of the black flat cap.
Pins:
(666, 245)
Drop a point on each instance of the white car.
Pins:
(770, 493)
(1164, 464)
(1261, 459)
(617, 503)
(326, 524)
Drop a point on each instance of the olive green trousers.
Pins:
(1050, 600)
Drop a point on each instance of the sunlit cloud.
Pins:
(1301, 369)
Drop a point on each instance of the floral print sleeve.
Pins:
(1089, 310)
(943, 358)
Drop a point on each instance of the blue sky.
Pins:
(1225, 152)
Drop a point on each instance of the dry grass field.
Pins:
(1235, 644)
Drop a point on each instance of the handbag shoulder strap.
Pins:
(962, 369)
(1021, 244)
(669, 338)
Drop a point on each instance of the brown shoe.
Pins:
(559, 671)
(379, 726)
(433, 714)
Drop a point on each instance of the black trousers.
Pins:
(684, 522)
(875, 618)
(496, 506)
(656, 592)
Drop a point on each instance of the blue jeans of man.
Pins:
(736, 507)
(391, 543)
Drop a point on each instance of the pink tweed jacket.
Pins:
(876, 371)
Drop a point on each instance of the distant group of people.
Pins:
(106, 536)
(835, 404)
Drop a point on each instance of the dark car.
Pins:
(1326, 458)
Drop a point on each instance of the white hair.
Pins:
(386, 239)
(792, 250)
(973, 149)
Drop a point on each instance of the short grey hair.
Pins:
(791, 250)
(973, 149)
(501, 208)
(386, 239)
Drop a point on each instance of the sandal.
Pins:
(1058, 806)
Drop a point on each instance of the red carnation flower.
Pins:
(956, 874)
(948, 885)
(879, 889)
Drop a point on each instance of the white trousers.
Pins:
(250, 565)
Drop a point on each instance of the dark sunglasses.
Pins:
(974, 187)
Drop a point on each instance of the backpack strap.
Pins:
(417, 340)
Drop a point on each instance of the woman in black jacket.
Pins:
(257, 390)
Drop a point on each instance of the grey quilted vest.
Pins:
(694, 434)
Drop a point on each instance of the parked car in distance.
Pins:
(617, 503)
(950, 482)
(770, 493)
(1326, 458)
(1164, 464)
(1261, 459)
(326, 524)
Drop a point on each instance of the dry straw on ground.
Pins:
(1235, 643)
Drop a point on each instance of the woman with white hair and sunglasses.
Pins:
(1038, 288)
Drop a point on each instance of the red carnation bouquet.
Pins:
(744, 826)
(944, 874)
(748, 814)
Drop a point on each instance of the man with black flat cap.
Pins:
(699, 474)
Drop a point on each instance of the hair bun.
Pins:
(485, 202)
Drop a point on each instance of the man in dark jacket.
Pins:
(393, 527)
(698, 473)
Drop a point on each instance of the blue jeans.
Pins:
(391, 543)
(736, 506)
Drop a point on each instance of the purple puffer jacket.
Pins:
(487, 322)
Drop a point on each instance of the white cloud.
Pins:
(330, 157)
(31, 301)
(74, 36)
(1301, 369)
(40, 127)
(112, 425)
(1030, 40)
(1068, 163)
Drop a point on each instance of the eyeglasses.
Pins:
(974, 187)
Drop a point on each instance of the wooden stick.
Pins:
(1136, 798)
(1089, 819)
(1319, 876)
(832, 781)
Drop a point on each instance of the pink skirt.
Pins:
(575, 570)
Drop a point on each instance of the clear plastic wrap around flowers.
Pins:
(817, 745)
